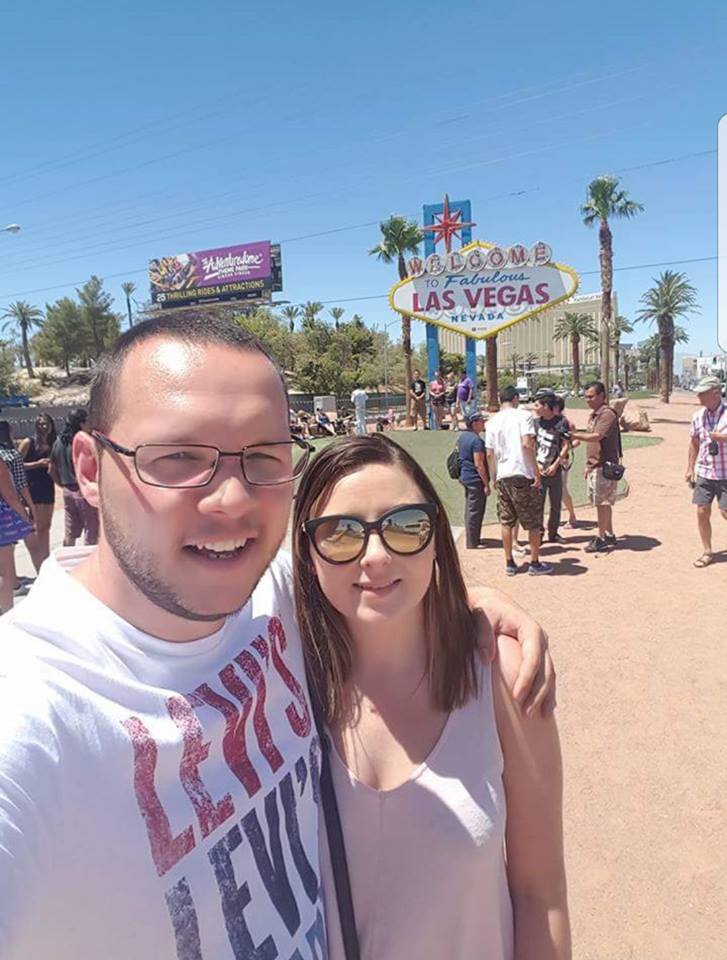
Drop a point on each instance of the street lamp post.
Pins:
(386, 361)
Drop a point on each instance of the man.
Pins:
(510, 442)
(603, 446)
(551, 453)
(474, 477)
(158, 761)
(418, 399)
(359, 398)
(465, 396)
(707, 463)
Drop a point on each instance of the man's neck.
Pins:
(101, 575)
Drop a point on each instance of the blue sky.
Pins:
(138, 130)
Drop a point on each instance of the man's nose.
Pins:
(229, 492)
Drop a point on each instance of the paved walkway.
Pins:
(638, 640)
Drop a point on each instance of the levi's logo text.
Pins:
(227, 788)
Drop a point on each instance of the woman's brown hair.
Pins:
(450, 625)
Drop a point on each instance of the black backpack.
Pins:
(454, 463)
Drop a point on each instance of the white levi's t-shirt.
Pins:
(504, 436)
(158, 801)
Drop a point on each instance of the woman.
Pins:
(14, 526)
(421, 730)
(450, 399)
(14, 462)
(436, 395)
(572, 522)
(80, 516)
(35, 452)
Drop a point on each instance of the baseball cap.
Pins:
(472, 417)
(708, 383)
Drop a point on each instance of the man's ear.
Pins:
(85, 461)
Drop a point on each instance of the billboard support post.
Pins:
(442, 221)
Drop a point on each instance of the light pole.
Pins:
(386, 361)
(11, 228)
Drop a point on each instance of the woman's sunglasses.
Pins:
(404, 530)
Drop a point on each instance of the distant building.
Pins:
(536, 336)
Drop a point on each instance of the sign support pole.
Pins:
(430, 211)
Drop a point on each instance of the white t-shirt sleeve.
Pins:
(528, 429)
(29, 782)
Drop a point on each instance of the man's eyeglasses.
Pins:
(187, 465)
(405, 530)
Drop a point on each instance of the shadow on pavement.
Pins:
(637, 544)
(568, 567)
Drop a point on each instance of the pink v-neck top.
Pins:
(426, 859)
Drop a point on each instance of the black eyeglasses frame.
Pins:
(372, 526)
(239, 454)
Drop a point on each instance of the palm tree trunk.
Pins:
(576, 364)
(606, 263)
(626, 374)
(128, 310)
(664, 370)
(491, 373)
(617, 359)
(406, 344)
(26, 351)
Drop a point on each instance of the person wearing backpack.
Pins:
(474, 476)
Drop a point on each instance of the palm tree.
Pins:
(529, 361)
(337, 313)
(291, 314)
(549, 358)
(357, 321)
(672, 297)
(649, 356)
(400, 237)
(515, 360)
(576, 327)
(619, 326)
(604, 202)
(311, 309)
(128, 289)
(23, 318)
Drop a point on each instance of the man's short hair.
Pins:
(194, 327)
(508, 394)
(595, 385)
(547, 398)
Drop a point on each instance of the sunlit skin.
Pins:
(173, 392)
(381, 588)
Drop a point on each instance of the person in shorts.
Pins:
(436, 395)
(510, 443)
(707, 463)
(450, 399)
(602, 439)
(418, 400)
(80, 516)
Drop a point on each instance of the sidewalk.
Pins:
(638, 641)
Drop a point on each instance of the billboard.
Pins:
(249, 271)
(482, 288)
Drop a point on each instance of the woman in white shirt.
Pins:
(449, 798)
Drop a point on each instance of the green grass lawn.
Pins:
(579, 403)
(432, 448)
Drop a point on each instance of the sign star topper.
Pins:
(447, 224)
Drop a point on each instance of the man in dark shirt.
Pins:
(418, 396)
(474, 477)
(602, 439)
(551, 452)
